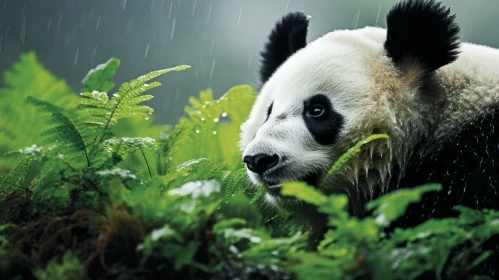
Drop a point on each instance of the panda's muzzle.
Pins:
(261, 162)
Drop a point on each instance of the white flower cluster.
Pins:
(123, 173)
(34, 151)
(197, 188)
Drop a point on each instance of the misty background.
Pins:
(220, 39)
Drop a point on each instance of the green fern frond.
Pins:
(64, 132)
(125, 145)
(233, 180)
(99, 110)
(14, 180)
(27, 77)
(215, 123)
(124, 102)
(352, 152)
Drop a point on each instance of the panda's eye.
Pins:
(316, 110)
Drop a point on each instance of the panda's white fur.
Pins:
(373, 96)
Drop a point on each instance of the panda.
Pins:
(436, 97)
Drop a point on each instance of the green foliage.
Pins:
(391, 206)
(107, 194)
(27, 78)
(69, 268)
(101, 78)
(63, 132)
(352, 152)
(215, 123)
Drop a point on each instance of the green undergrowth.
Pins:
(92, 188)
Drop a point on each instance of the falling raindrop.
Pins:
(208, 18)
(179, 2)
(5, 4)
(224, 114)
(250, 61)
(356, 19)
(151, 8)
(302, 2)
(96, 27)
(82, 19)
(379, 10)
(49, 24)
(162, 2)
(212, 45)
(173, 27)
(212, 68)
(194, 8)
(76, 56)
(23, 30)
(147, 50)
(59, 23)
(216, 120)
(24, 8)
(170, 13)
(123, 4)
(240, 12)
(287, 5)
(92, 57)
(128, 28)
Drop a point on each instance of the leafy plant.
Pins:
(106, 194)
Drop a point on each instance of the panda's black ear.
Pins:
(422, 32)
(288, 36)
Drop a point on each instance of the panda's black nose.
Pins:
(261, 162)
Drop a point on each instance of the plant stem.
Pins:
(145, 159)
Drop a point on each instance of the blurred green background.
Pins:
(220, 39)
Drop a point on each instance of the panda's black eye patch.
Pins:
(323, 122)
(269, 111)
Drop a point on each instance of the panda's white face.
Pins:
(305, 108)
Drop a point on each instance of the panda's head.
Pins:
(319, 99)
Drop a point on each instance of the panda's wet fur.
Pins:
(437, 99)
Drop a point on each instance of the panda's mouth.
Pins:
(274, 187)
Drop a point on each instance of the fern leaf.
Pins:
(231, 183)
(124, 100)
(128, 144)
(215, 123)
(100, 78)
(27, 77)
(99, 110)
(64, 131)
(352, 152)
(13, 181)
